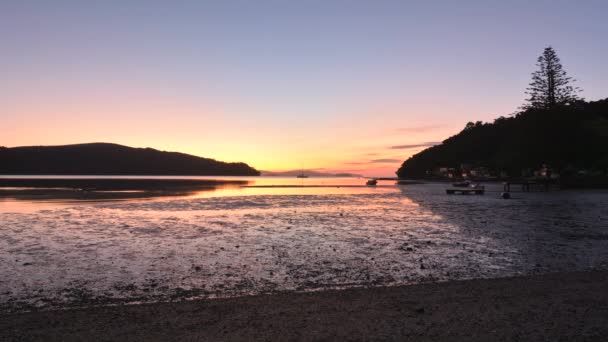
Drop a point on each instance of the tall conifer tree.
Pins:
(550, 84)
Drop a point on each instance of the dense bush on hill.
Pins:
(111, 159)
(567, 138)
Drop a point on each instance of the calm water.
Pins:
(254, 186)
(256, 239)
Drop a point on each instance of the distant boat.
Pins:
(302, 175)
(372, 182)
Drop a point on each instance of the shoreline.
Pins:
(117, 184)
(569, 306)
(96, 189)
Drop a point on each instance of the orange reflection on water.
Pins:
(33, 199)
(290, 190)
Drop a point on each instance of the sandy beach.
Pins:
(552, 307)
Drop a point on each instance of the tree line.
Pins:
(555, 127)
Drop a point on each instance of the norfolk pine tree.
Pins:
(550, 84)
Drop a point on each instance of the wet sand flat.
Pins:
(550, 307)
(195, 248)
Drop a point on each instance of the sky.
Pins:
(342, 86)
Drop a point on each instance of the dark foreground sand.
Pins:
(555, 307)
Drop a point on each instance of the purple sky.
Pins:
(282, 84)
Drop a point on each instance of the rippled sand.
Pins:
(235, 245)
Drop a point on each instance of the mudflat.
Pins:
(555, 307)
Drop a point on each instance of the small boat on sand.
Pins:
(475, 189)
(464, 184)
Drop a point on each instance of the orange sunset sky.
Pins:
(340, 86)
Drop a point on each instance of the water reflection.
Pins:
(22, 194)
(72, 190)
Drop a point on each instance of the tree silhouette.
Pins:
(550, 84)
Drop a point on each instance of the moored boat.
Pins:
(476, 189)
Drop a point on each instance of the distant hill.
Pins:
(568, 139)
(310, 173)
(111, 159)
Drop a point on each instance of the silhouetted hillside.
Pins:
(568, 139)
(111, 159)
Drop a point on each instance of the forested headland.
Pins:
(555, 131)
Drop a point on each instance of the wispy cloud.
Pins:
(386, 160)
(375, 161)
(416, 129)
(410, 146)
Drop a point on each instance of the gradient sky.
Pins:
(354, 86)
